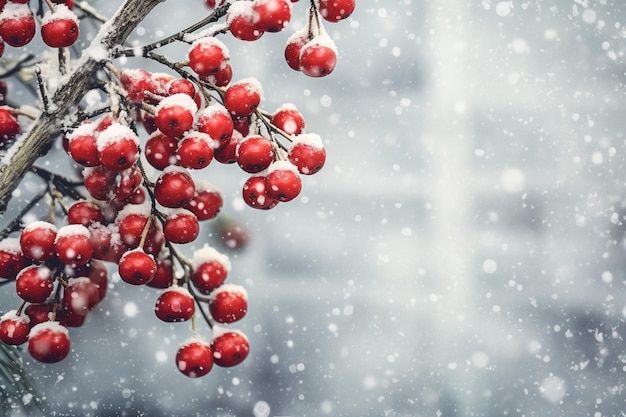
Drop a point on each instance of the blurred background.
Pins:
(461, 253)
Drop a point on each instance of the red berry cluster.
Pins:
(139, 195)
(59, 25)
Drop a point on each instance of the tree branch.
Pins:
(23, 153)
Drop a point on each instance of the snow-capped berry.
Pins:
(195, 150)
(181, 226)
(34, 283)
(12, 259)
(215, 121)
(17, 24)
(175, 304)
(73, 245)
(174, 187)
(228, 303)
(282, 181)
(48, 342)
(14, 328)
(137, 267)
(243, 97)
(194, 358)
(37, 241)
(118, 146)
(59, 27)
(254, 154)
(293, 48)
(137, 82)
(307, 153)
(288, 119)
(175, 114)
(272, 15)
(84, 212)
(318, 57)
(209, 269)
(240, 19)
(82, 145)
(230, 347)
(207, 55)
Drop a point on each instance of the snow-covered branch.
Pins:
(25, 151)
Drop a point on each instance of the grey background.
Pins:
(461, 254)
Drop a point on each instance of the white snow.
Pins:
(48, 326)
(60, 12)
(72, 230)
(115, 133)
(208, 253)
(229, 288)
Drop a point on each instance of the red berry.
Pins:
(98, 182)
(84, 212)
(181, 226)
(17, 24)
(82, 145)
(294, 47)
(137, 82)
(272, 15)
(174, 188)
(12, 259)
(336, 10)
(221, 77)
(206, 202)
(81, 295)
(59, 27)
(137, 267)
(14, 328)
(209, 269)
(160, 150)
(318, 57)
(228, 303)
(243, 97)
(164, 276)
(225, 153)
(307, 153)
(241, 21)
(174, 114)
(229, 348)
(215, 121)
(73, 245)
(175, 304)
(254, 154)
(9, 126)
(131, 223)
(184, 86)
(282, 181)
(288, 119)
(255, 194)
(118, 146)
(194, 358)
(37, 241)
(195, 150)
(48, 342)
(207, 55)
(34, 283)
